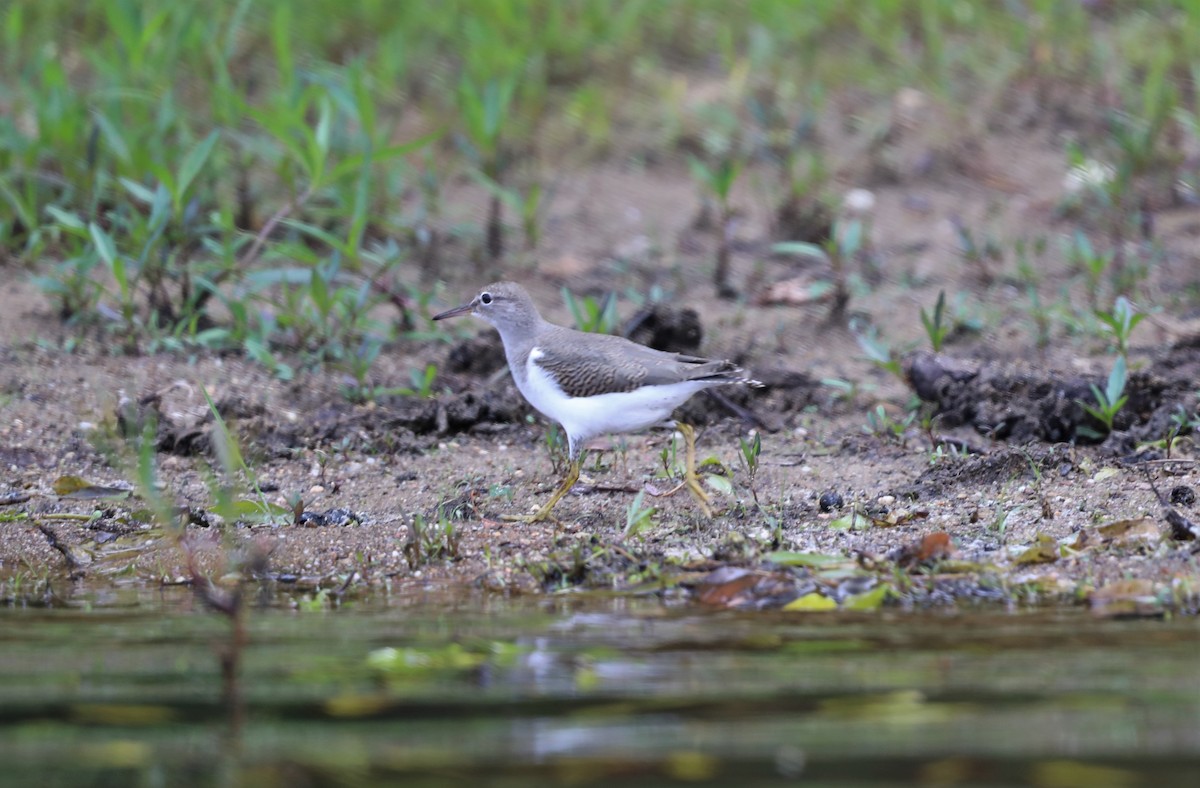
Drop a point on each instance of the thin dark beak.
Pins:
(465, 309)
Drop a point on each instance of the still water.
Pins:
(126, 689)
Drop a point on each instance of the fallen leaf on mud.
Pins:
(899, 517)
(1126, 598)
(1103, 474)
(798, 291)
(251, 511)
(852, 521)
(81, 489)
(722, 586)
(811, 602)
(933, 547)
(1125, 533)
(868, 600)
(720, 484)
(812, 560)
(1043, 551)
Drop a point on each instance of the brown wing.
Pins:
(602, 364)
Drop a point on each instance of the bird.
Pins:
(594, 384)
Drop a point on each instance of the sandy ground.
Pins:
(616, 227)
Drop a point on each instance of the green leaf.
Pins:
(801, 248)
(811, 560)
(68, 220)
(813, 602)
(137, 191)
(116, 143)
(104, 244)
(1043, 551)
(1116, 384)
(79, 488)
(719, 483)
(251, 511)
(352, 164)
(868, 600)
(193, 162)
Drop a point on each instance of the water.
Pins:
(126, 689)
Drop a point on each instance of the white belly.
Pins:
(587, 417)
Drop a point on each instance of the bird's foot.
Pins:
(692, 483)
(690, 477)
(543, 513)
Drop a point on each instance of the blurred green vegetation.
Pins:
(264, 175)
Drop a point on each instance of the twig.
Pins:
(269, 226)
(8, 499)
(742, 413)
(73, 563)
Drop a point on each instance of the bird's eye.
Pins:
(485, 298)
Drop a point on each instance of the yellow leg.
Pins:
(689, 477)
(544, 512)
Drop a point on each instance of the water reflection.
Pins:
(125, 687)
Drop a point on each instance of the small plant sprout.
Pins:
(422, 381)
(718, 181)
(593, 316)
(556, 447)
(1182, 423)
(1109, 401)
(485, 108)
(877, 351)
(1094, 265)
(935, 326)
(1120, 322)
(845, 244)
(882, 425)
(980, 254)
(637, 516)
(750, 451)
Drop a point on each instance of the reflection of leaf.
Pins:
(1135, 597)
(869, 600)
(423, 662)
(81, 489)
(1064, 773)
(1043, 551)
(811, 602)
(727, 586)
(351, 705)
(814, 560)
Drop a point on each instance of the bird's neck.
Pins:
(518, 341)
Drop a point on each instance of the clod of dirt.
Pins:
(830, 500)
(482, 354)
(999, 466)
(803, 219)
(665, 328)
(338, 516)
(1008, 403)
(1182, 495)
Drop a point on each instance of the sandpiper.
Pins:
(593, 384)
